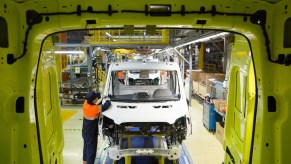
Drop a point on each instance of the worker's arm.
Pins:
(99, 101)
(106, 105)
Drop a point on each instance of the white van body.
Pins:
(153, 107)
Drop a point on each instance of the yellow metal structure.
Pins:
(109, 37)
(101, 79)
(257, 124)
(124, 51)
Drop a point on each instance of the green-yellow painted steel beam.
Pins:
(121, 37)
(124, 51)
(127, 159)
(161, 160)
(135, 43)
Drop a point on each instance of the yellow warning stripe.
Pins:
(67, 114)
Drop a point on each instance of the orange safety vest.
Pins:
(90, 111)
(120, 75)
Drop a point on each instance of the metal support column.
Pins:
(181, 55)
(183, 68)
(189, 49)
(168, 56)
(183, 63)
(116, 57)
(89, 63)
(71, 72)
(225, 56)
(106, 61)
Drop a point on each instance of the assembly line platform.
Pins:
(143, 142)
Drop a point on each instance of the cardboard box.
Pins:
(198, 75)
(216, 103)
(195, 88)
(215, 76)
(219, 134)
(219, 104)
(202, 89)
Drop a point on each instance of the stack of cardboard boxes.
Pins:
(219, 105)
(203, 85)
(202, 82)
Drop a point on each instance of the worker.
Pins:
(91, 112)
(120, 76)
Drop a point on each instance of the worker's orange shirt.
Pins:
(90, 111)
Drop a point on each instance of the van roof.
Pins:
(144, 66)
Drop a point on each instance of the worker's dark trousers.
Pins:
(90, 134)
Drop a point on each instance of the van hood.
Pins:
(167, 112)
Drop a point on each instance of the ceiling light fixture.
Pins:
(104, 49)
(204, 39)
(197, 41)
(108, 34)
(69, 52)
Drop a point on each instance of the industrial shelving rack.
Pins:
(75, 87)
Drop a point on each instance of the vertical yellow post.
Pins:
(119, 35)
(165, 36)
(160, 158)
(99, 36)
(201, 56)
(128, 158)
(128, 142)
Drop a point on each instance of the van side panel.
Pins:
(272, 142)
(240, 102)
(18, 139)
(48, 106)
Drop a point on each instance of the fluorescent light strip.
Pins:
(198, 40)
(108, 34)
(104, 49)
(68, 52)
(203, 39)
